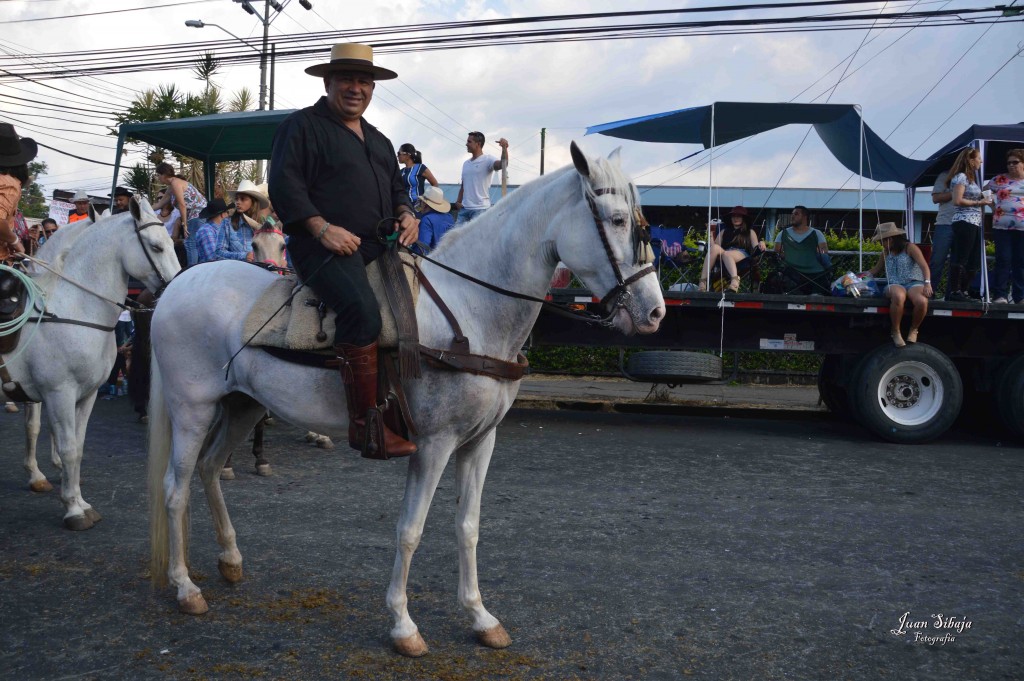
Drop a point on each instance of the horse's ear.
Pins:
(614, 156)
(135, 208)
(579, 160)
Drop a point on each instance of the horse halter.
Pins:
(642, 253)
(142, 245)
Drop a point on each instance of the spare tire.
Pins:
(674, 367)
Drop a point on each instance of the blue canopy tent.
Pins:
(840, 126)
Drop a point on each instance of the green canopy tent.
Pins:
(239, 136)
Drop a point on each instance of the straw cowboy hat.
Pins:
(886, 230)
(434, 197)
(14, 150)
(249, 188)
(80, 196)
(351, 57)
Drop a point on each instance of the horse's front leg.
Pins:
(37, 482)
(425, 469)
(83, 410)
(61, 411)
(471, 463)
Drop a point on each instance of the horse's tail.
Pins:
(159, 457)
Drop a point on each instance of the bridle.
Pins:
(641, 249)
(642, 255)
(138, 235)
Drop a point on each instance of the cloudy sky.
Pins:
(514, 91)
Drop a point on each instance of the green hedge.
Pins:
(592, 361)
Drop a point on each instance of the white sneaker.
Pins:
(11, 408)
(999, 301)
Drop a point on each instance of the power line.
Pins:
(111, 11)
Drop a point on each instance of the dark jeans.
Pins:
(966, 250)
(139, 376)
(342, 284)
(942, 239)
(1009, 267)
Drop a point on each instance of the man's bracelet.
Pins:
(323, 230)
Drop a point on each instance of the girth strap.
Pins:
(50, 317)
(477, 364)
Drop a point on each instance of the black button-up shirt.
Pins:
(320, 167)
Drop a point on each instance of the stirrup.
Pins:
(373, 436)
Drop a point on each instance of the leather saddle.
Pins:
(305, 324)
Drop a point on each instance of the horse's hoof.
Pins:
(495, 637)
(193, 605)
(227, 474)
(270, 421)
(263, 469)
(40, 486)
(231, 573)
(311, 436)
(93, 515)
(411, 646)
(325, 443)
(78, 523)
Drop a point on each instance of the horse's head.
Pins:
(608, 245)
(148, 254)
(268, 246)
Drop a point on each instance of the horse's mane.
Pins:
(64, 241)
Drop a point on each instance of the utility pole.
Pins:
(543, 134)
(265, 20)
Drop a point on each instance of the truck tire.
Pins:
(907, 395)
(674, 367)
(1010, 396)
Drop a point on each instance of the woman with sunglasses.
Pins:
(414, 173)
(1008, 229)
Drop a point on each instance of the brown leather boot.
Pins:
(359, 374)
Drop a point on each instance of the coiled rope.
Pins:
(34, 299)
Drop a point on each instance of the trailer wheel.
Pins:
(833, 395)
(907, 395)
(1010, 396)
(673, 367)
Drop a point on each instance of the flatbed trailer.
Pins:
(910, 395)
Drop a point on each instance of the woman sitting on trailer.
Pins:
(734, 244)
(907, 275)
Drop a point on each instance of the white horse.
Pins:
(66, 361)
(197, 416)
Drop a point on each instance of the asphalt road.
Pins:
(612, 546)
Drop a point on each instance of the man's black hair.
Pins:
(477, 137)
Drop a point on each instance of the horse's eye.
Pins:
(619, 221)
(157, 248)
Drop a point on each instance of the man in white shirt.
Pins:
(477, 172)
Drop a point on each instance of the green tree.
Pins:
(140, 179)
(33, 200)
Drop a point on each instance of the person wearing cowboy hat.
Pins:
(734, 243)
(435, 219)
(15, 154)
(81, 201)
(122, 197)
(211, 236)
(334, 179)
(249, 201)
(907, 277)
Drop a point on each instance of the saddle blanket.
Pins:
(297, 325)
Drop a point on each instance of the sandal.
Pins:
(702, 285)
(897, 339)
(734, 285)
(912, 336)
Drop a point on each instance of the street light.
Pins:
(199, 23)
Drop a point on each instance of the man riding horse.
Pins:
(334, 179)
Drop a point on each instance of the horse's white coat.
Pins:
(65, 364)
(516, 245)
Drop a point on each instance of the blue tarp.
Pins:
(998, 140)
(838, 125)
